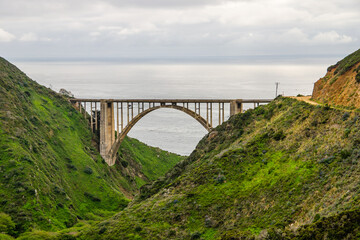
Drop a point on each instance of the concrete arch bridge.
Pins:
(120, 115)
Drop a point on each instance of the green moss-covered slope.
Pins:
(270, 172)
(51, 175)
(148, 163)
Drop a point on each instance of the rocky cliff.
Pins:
(341, 84)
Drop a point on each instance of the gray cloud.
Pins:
(177, 28)
(168, 3)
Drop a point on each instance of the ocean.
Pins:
(170, 129)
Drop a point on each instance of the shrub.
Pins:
(333, 80)
(59, 190)
(195, 235)
(5, 237)
(71, 166)
(124, 163)
(102, 230)
(92, 197)
(279, 135)
(64, 236)
(37, 235)
(345, 116)
(88, 170)
(345, 154)
(27, 159)
(317, 217)
(6, 224)
(327, 160)
(347, 132)
(357, 77)
(327, 107)
(220, 179)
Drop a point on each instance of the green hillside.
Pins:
(51, 174)
(347, 63)
(284, 170)
(149, 162)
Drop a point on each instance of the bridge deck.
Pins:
(174, 100)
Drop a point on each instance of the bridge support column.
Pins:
(107, 130)
(236, 107)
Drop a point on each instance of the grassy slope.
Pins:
(340, 86)
(152, 162)
(267, 171)
(51, 174)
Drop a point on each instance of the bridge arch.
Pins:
(137, 118)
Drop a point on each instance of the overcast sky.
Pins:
(177, 28)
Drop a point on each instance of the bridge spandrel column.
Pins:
(107, 130)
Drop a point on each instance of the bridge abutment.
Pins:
(107, 131)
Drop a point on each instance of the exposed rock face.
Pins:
(66, 93)
(341, 84)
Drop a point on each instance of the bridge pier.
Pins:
(107, 130)
(236, 106)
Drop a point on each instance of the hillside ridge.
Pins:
(51, 174)
(341, 84)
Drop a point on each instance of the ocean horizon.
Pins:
(169, 129)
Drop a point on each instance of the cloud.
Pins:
(186, 27)
(6, 36)
(166, 3)
(332, 37)
(33, 37)
(29, 37)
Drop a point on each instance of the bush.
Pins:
(124, 163)
(5, 237)
(6, 224)
(357, 77)
(92, 197)
(64, 236)
(327, 160)
(195, 235)
(220, 179)
(37, 235)
(59, 190)
(327, 106)
(317, 217)
(333, 80)
(71, 166)
(88, 170)
(279, 135)
(345, 154)
(347, 132)
(345, 116)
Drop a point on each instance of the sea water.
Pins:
(170, 129)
